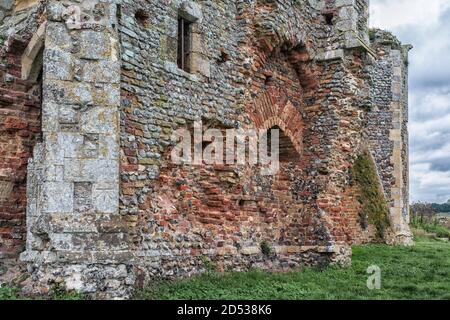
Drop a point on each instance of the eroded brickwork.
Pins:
(20, 109)
(107, 207)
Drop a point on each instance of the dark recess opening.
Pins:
(224, 56)
(328, 18)
(142, 17)
(288, 153)
(184, 43)
(269, 80)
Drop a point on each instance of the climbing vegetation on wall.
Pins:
(374, 207)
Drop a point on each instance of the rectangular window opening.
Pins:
(184, 39)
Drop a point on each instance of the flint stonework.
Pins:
(87, 184)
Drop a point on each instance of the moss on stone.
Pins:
(374, 205)
(208, 264)
(372, 34)
(266, 249)
(2, 40)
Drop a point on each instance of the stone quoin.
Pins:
(91, 92)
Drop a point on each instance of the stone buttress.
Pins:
(75, 231)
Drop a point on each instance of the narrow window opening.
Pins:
(184, 39)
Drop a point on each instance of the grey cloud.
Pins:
(429, 60)
(427, 145)
(441, 165)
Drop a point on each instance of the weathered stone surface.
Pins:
(94, 45)
(59, 66)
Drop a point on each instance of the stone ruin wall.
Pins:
(387, 128)
(107, 210)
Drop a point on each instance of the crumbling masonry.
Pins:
(91, 91)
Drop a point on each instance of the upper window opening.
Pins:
(184, 44)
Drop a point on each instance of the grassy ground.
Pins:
(7, 293)
(421, 272)
(436, 228)
(57, 293)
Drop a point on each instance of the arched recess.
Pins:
(272, 35)
(267, 114)
(275, 103)
(277, 98)
(32, 59)
(287, 151)
(283, 73)
(20, 130)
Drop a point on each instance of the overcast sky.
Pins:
(426, 25)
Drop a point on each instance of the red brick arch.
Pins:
(271, 105)
(266, 112)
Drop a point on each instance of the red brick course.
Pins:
(20, 128)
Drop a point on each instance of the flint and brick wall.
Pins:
(270, 79)
(107, 208)
(20, 127)
(387, 127)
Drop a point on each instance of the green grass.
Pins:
(60, 293)
(439, 230)
(420, 272)
(7, 293)
(56, 293)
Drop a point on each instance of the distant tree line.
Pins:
(425, 216)
(424, 211)
(441, 207)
